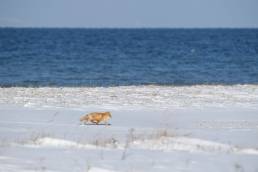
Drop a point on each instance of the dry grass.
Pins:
(133, 136)
(106, 142)
(130, 139)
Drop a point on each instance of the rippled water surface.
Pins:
(123, 57)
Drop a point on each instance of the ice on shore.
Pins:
(136, 96)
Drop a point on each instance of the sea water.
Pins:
(125, 57)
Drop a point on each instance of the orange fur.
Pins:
(96, 117)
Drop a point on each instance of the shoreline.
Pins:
(160, 97)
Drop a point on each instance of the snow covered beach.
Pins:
(154, 128)
(160, 97)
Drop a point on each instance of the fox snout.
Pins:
(83, 118)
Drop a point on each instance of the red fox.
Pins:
(96, 117)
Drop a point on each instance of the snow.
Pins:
(99, 170)
(58, 143)
(135, 96)
(154, 128)
(191, 145)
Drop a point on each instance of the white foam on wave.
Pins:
(137, 96)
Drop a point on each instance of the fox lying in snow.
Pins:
(96, 117)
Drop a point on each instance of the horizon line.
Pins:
(71, 27)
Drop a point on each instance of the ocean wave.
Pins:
(137, 96)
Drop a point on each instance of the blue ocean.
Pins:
(120, 57)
